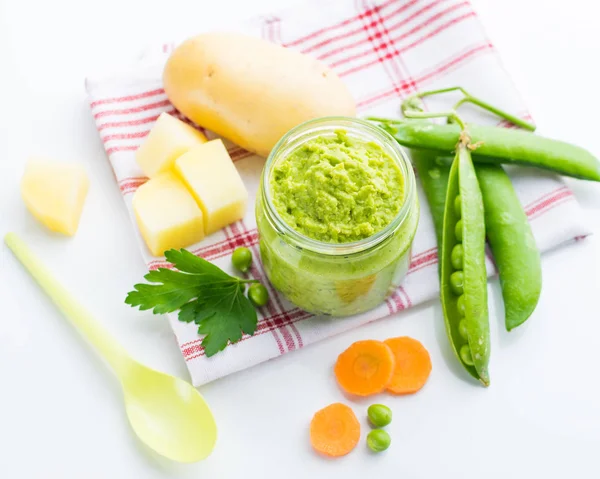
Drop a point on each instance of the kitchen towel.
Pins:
(383, 50)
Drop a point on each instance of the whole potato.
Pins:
(251, 91)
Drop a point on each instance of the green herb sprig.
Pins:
(204, 294)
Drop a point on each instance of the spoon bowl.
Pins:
(167, 413)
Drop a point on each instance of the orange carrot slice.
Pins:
(365, 368)
(413, 365)
(334, 430)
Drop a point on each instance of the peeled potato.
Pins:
(251, 91)
(54, 192)
(168, 139)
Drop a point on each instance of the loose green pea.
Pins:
(258, 294)
(457, 205)
(460, 304)
(465, 355)
(456, 257)
(242, 259)
(457, 282)
(378, 440)
(379, 415)
(458, 230)
(462, 329)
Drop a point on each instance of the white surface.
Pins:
(60, 411)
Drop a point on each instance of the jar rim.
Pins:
(384, 139)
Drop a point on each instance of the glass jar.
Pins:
(338, 279)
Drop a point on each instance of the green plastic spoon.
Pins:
(167, 413)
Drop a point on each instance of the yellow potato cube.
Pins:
(54, 192)
(168, 139)
(211, 176)
(167, 215)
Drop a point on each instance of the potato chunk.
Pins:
(211, 176)
(169, 139)
(55, 192)
(167, 214)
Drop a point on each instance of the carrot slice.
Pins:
(365, 368)
(413, 365)
(334, 430)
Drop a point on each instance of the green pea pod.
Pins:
(501, 145)
(464, 291)
(433, 173)
(515, 251)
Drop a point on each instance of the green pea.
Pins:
(378, 440)
(242, 259)
(460, 304)
(457, 282)
(462, 329)
(465, 355)
(457, 205)
(258, 294)
(379, 415)
(456, 257)
(458, 230)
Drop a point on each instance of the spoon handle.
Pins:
(104, 343)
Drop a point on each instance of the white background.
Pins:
(61, 414)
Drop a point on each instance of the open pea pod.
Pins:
(463, 282)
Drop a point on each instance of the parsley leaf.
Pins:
(185, 261)
(203, 294)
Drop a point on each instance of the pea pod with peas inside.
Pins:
(463, 278)
(505, 222)
(509, 233)
(507, 228)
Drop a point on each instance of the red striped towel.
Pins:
(384, 51)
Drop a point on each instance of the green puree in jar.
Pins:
(336, 215)
(337, 189)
